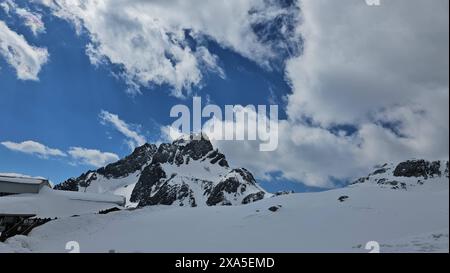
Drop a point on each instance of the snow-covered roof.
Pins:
(22, 180)
(53, 203)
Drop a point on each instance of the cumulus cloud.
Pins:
(5, 5)
(133, 137)
(33, 147)
(80, 155)
(32, 20)
(152, 40)
(380, 71)
(359, 59)
(92, 157)
(313, 156)
(25, 58)
(383, 70)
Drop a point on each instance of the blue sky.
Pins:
(346, 102)
(62, 109)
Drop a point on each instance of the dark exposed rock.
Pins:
(153, 187)
(278, 193)
(74, 184)
(150, 176)
(379, 171)
(446, 169)
(196, 149)
(360, 180)
(275, 208)
(391, 183)
(253, 197)
(246, 175)
(69, 185)
(166, 153)
(343, 198)
(193, 149)
(233, 186)
(168, 194)
(418, 168)
(406, 174)
(215, 157)
(217, 195)
(130, 164)
(106, 211)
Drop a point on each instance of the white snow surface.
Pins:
(399, 220)
(19, 175)
(117, 186)
(21, 179)
(50, 203)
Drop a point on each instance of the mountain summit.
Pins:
(186, 172)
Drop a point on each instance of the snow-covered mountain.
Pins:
(403, 207)
(407, 175)
(413, 217)
(186, 172)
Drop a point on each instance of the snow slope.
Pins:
(399, 220)
(118, 186)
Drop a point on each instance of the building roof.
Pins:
(51, 203)
(23, 180)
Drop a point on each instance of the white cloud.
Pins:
(382, 70)
(5, 6)
(133, 137)
(25, 58)
(33, 147)
(32, 20)
(309, 155)
(359, 59)
(92, 157)
(148, 39)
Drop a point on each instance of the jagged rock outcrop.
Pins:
(407, 174)
(120, 169)
(418, 168)
(186, 172)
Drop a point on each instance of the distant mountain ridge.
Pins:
(407, 175)
(186, 172)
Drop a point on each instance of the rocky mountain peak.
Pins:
(183, 150)
(186, 172)
(131, 163)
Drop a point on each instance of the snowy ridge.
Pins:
(186, 172)
(415, 174)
